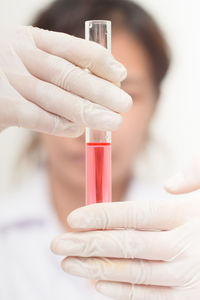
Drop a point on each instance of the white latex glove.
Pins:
(149, 250)
(44, 86)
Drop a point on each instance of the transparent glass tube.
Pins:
(98, 143)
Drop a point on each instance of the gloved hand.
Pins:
(139, 250)
(44, 86)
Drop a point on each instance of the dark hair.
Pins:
(69, 16)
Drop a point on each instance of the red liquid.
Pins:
(98, 173)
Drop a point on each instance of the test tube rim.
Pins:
(98, 22)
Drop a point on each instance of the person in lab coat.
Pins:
(47, 90)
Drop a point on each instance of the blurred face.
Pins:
(66, 155)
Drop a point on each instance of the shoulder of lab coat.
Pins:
(28, 203)
(29, 270)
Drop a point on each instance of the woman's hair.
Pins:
(69, 16)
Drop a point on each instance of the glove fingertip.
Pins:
(175, 184)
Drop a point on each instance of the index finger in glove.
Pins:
(75, 80)
(85, 54)
(141, 215)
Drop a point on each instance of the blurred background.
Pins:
(174, 136)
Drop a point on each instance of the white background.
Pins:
(175, 130)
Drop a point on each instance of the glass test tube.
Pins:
(98, 143)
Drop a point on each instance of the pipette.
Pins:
(98, 143)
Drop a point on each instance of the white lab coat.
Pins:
(28, 223)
